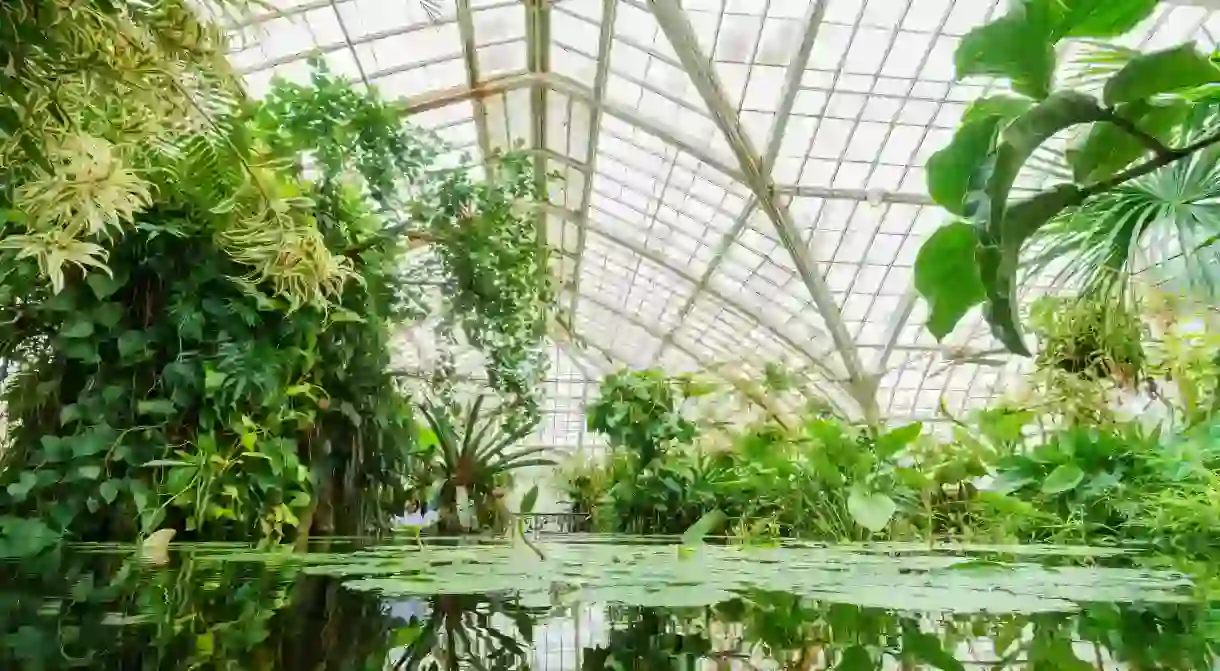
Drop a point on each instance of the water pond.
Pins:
(591, 603)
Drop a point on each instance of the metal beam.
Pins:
(470, 59)
(600, 106)
(442, 98)
(711, 366)
(726, 242)
(674, 23)
(605, 39)
(832, 375)
(894, 330)
(792, 86)
(538, 46)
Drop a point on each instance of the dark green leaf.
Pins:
(81, 328)
(93, 441)
(1017, 46)
(1062, 479)
(69, 413)
(998, 265)
(132, 344)
(950, 169)
(179, 478)
(947, 276)
(1058, 112)
(103, 285)
(1160, 72)
(927, 648)
(157, 406)
(83, 351)
(20, 489)
(108, 314)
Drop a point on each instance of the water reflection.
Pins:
(105, 609)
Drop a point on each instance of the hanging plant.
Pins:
(1090, 337)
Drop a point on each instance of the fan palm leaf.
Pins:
(1161, 227)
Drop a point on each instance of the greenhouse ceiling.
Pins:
(741, 180)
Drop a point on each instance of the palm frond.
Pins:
(509, 460)
(493, 448)
(1094, 63)
(1161, 227)
(433, 8)
(472, 418)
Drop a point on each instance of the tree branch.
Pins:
(1155, 164)
(1149, 140)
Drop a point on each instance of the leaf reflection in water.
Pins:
(593, 606)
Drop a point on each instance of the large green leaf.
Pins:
(1164, 71)
(703, 526)
(1018, 46)
(949, 170)
(1107, 148)
(1102, 18)
(1004, 105)
(1064, 478)
(947, 276)
(529, 501)
(871, 510)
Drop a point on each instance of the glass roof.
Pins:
(742, 179)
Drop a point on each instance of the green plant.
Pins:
(642, 412)
(1089, 337)
(477, 450)
(111, 110)
(1137, 129)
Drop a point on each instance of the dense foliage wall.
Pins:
(198, 290)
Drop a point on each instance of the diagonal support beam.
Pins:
(827, 368)
(605, 38)
(714, 367)
(538, 61)
(674, 23)
(792, 86)
(677, 29)
(894, 329)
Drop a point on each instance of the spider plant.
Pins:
(477, 451)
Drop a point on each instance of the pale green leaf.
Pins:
(1165, 71)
